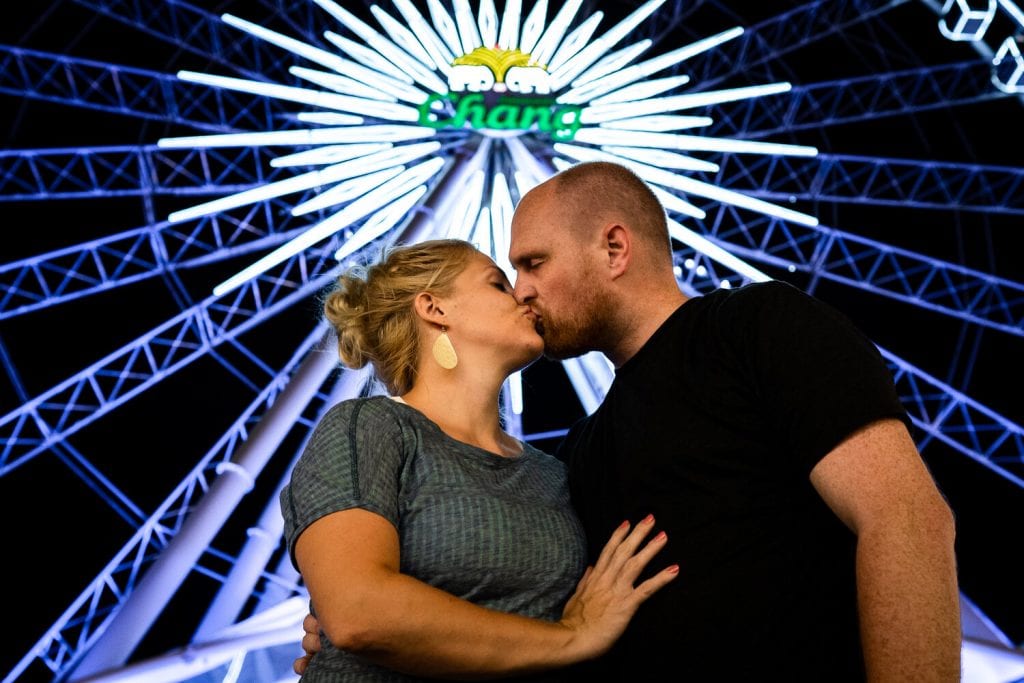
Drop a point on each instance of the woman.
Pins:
(432, 542)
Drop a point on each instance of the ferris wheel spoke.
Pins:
(95, 391)
(78, 627)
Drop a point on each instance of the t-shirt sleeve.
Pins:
(353, 459)
(818, 375)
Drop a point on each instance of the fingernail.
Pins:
(648, 519)
(674, 569)
(661, 536)
(624, 524)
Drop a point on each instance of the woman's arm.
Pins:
(349, 561)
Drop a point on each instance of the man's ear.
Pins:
(617, 245)
(429, 308)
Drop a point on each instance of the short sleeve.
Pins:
(819, 377)
(353, 459)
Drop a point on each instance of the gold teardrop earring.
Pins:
(444, 352)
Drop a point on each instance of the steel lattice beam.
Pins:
(45, 174)
(876, 181)
(768, 40)
(856, 99)
(67, 274)
(198, 32)
(88, 395)
(132, 92)
(945, 288)
(947, 415)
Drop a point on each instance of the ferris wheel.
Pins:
(182, 180)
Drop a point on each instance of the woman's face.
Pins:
(483, 314)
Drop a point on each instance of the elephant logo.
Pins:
(499, 70)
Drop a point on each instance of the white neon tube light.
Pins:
(515, 391)
(555, 31)
(525, 163)
(380, 222)
(469, 33)
(445, 27)
(340, 84)
(464, 213)
(306, 181)
(689, 185)
(632, 138)
(576, 41)
(593, 52)
(533, 27)
(368, 57)
(673, 203)
(659, 123)
(704, 246)
(643, 90)
(390, 53)
(316, 98)
(610, 112)
(346, 191)
(314, 136)
(488, 23)
(587, 87)
(431, 42)
(403, 37)
(329, 118)
(662, 158)
(509, 34)
(481, 235)
(328, 59)
(501, 220)
(363, 206)
(330, 154)
(610, 63)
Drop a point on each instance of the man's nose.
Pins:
(522, 292)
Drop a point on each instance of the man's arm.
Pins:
(877, 483)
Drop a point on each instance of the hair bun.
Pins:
(345, 308)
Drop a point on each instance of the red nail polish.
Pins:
(661, 536)
(624, 525)
(674, 569)
(648, 519)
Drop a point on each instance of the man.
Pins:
(764, 432)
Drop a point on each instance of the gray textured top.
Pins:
(497, 531)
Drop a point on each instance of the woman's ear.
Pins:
(429, 308)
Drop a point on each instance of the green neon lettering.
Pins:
(470, 106)
(510, 113)
(428, 117)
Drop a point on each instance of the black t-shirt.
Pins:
(714, 426)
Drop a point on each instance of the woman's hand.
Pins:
(606, 597)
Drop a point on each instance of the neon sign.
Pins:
(479, 83)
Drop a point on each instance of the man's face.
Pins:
(553, 266)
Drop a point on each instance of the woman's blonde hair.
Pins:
(371, 307)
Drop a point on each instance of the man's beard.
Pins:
(577, 334)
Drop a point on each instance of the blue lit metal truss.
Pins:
(177, 538)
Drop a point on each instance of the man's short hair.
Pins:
(607, 187)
